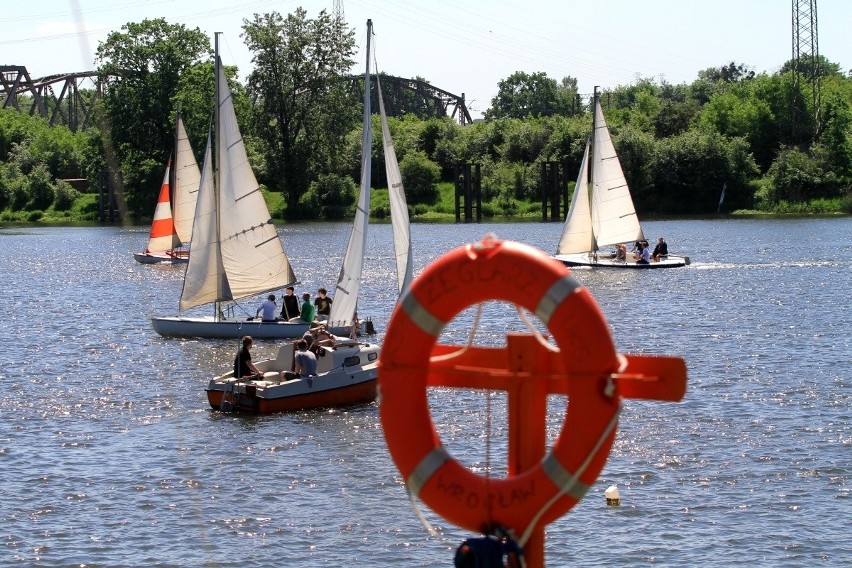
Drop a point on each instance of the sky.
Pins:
(463, 46)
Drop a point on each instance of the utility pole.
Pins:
(805, 64)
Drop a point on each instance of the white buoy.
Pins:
(612, 495)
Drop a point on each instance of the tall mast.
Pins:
(367, 91)
(591, 172)
(594, 129)
(214, 157)
(173, 160)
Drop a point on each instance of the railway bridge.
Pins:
(69, 98)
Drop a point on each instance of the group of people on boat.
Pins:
(315, 338)
(305, 362)
(641, 252)
(291, 311)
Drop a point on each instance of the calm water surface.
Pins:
(110, 456)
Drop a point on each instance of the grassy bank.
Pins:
(85, 209)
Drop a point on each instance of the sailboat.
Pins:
(172, 226)
(236, 251)
(601, 212)
(348, 372)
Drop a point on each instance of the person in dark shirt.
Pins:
(289, 305)
(661, 250)
(323, 304)
(244, 369)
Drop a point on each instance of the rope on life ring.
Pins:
(586, 367)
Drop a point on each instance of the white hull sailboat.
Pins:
(601, 213)
(346, 373)
(236, 251)
(172, 225)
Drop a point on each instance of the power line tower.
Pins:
(338, 10)
(805, 63)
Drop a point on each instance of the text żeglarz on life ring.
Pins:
(522, 275)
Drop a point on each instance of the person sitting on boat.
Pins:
(305, 363)
(244, 369)
(661, 250)
(644, 253)
(268, 307)
(323, 304)
(289, 305)
(308, 311)
(621, 252)
(637, 250)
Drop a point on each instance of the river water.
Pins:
(110, 456)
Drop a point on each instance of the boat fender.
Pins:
(524, 276)
(488, 552)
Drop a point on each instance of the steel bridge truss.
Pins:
(67, 99)
(413, 96)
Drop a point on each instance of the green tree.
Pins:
(825, 68)
(303, 108)
(730, 73)
(837, 131)
(420, 177)
(741, 113)
(329, 197)
(42, 191)
(797, 176)
(145, 62)
(689, 171)
(522, 94)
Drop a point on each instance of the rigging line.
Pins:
(522, 313)
(470, 338)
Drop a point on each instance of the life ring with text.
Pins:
(513, 272)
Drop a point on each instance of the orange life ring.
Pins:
(522, 275)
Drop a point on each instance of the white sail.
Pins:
(614, 218)
(577, 230)
(349, 282)
(252, 254)
(201, 283)
(187, 177)
(398, 204)
(242, 253)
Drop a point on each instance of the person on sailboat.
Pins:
(323, 304)
(244, 369)
(636, 251)
(621, 252)
(308, 309)
(644, 253)
(661, 250)
(268, 307)
(289, 305)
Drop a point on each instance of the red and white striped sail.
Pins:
(163, 236)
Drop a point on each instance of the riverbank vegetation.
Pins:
(735, 140)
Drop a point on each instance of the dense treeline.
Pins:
(751, 133)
